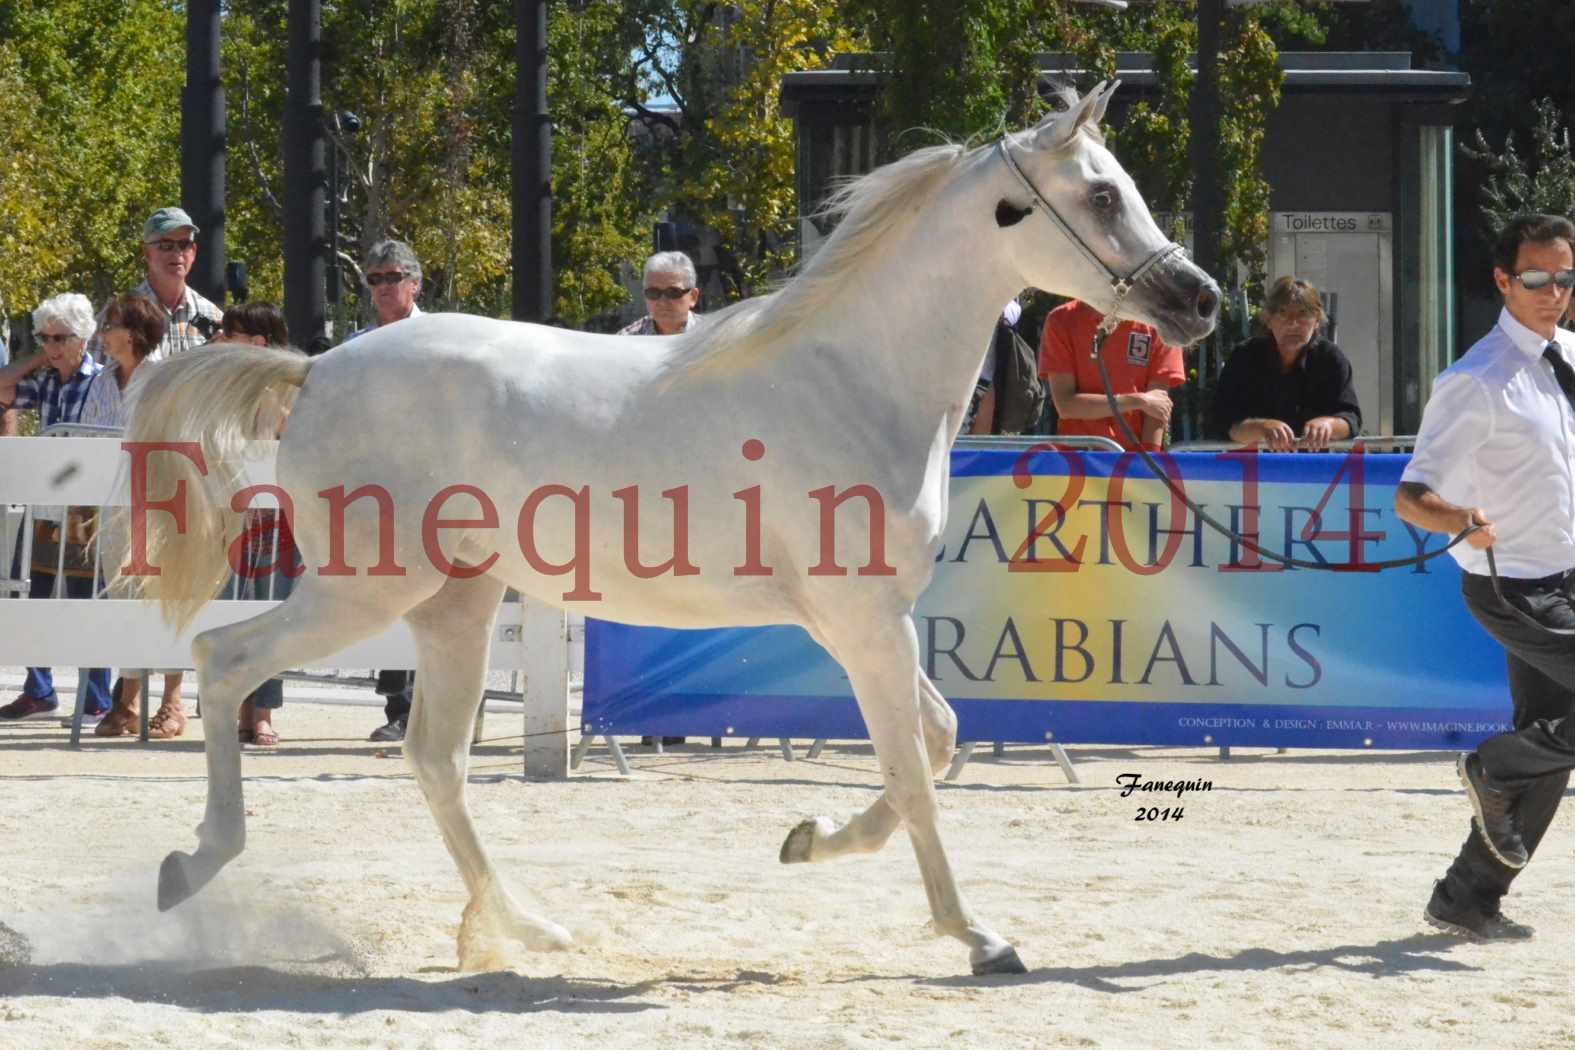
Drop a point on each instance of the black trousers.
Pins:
(1539, 754)
(396, 687)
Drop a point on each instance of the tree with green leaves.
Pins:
(723, 154)
(89, 141)
(1515, 184)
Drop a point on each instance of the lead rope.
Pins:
(1106, 326)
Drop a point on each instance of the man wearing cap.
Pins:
(169, 248)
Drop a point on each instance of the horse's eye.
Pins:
(1104, 200)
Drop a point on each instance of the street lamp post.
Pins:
(346, 124)
(305, 181)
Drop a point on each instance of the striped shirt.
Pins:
(105, 403)
(57, 400)
(647, 325)
(188, 326)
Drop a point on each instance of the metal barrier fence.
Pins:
(1377, 443)
(1086, 442)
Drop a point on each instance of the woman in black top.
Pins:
(1287, 382)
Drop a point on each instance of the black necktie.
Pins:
(1561, 371)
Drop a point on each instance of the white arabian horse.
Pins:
(786, 463)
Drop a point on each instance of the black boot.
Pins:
(1497, 811)
(1459, 913)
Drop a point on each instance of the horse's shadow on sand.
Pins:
(245, 988)
(235, 989)
(1415, 954)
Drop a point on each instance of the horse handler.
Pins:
(1497, 450)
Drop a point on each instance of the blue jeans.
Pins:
(40, 682)
(273, 585)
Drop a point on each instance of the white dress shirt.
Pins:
(1499, 434)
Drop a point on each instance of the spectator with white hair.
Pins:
(62, 325)
(671, 291)
(393, 276)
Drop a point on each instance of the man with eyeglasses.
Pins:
(393, 279)
(169, 250)
(671, 293)
(1497, 451)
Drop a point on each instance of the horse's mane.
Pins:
(868, 210)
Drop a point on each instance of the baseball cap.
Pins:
(166, 221)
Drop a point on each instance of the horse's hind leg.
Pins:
(453, 631)
(819, 838)
(317, 620)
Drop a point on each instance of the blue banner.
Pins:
(1077, 603)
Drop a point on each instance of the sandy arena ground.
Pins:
(1282, 911)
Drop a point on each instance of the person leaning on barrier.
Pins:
(393, 274)
(130, 331)
(1287, 382)
(672, 290)
(62, 325)
(269, 550)
(1497, 450)
(1141, 367)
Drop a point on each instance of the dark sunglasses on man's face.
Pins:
(670, 294)
(174, 246)
(1531, 280)
(377, 279)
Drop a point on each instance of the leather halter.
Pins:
(1120, 285)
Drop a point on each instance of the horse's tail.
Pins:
(212, 397)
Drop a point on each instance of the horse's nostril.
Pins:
(1208, 302)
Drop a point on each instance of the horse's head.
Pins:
(1076, 226)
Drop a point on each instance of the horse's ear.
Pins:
(1104, 96)
(1058, 130)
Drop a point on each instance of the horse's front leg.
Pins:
(884, 669)
(819, 838)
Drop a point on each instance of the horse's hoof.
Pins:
(174, 886)
(1004, 962)
(796, 847)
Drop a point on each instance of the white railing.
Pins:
(86, 471)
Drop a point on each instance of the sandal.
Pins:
(168, 723)
(265, 737)
(246, 736)
(121, 721)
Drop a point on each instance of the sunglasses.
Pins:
(377, 280)
(52, 337)
(174, 246)
(1531, 280)
(670, 294)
